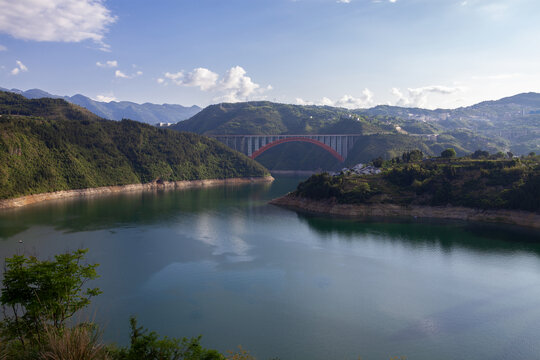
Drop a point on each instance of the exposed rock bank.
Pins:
(32, 199)
(329, 207)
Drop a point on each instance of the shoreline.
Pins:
(165, 185)
(359, 211)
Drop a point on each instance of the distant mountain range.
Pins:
(118, 110)
(509, 107)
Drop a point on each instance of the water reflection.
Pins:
(446, 235)
(223, 263)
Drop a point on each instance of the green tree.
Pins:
(449, 153)
(480, 154)
(148, 346)
(38, 294)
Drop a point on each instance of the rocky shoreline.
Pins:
(329, 207)
(158, 185)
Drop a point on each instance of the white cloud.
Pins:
(105, 98)
(19, 68)
(202, 78)
(3, 48)
(108, 64)
(418, 97)
(55, 20)
(346, 101)
(344, 1)
(122, 75)
(237, 85)
(234, 86)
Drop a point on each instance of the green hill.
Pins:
(379, 134)
(49, 145)
(267, 118)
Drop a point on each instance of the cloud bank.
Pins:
(19, 68)
(233, 86)
(55, 20)
(418, 97)
(108, 64)
(346, 101)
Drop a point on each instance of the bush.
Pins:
(148, 346)
(42, 293)
(449, 153)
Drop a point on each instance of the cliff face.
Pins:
(166, 185)
(331, 207)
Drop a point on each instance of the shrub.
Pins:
(148, 346)
(449, 153)
(41, 293)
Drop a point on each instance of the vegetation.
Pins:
(50, 145)
(475, 181)
(38, 296)
(379, 134)
(449, 153)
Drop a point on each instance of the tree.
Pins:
(449, 153)
(378, 162)
(147, 345)
(480, 154)
(38, 294)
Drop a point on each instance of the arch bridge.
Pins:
(337, 145)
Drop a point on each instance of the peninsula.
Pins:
(479, 187)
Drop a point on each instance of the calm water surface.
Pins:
(222, 263)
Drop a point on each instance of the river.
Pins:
(223, 263)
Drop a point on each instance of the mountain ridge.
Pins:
(117, 110)
(49, 145)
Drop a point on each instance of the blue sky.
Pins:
(351, 53)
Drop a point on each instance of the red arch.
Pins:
(298, 138)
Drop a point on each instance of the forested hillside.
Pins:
(478, 181)
(49, 144)
(382, 135)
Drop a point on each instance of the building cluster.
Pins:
(359, 169)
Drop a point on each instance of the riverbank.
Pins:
(331, 207)
(165, 185)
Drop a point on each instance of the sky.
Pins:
(348, 53)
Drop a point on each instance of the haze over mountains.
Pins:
(118, 110)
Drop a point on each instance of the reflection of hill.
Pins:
(446, 235)
(131, 209)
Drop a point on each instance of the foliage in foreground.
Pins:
(148, 345)
(39, 296)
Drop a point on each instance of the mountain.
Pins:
(118, 110)
(264, 117)
(382, 134)
(509, 124)
(50, 145)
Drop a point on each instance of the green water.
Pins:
(222, 263)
